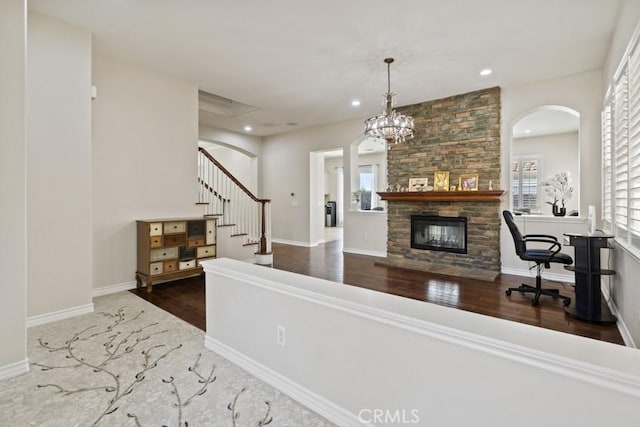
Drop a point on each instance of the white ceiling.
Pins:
(300, 62)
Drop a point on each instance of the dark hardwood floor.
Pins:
(185, 298)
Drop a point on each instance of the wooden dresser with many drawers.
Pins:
(170, 249)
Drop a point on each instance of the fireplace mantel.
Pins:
(443, 196)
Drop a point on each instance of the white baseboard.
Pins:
(14, 369)
(293, 243)
(380, 254)
(112, 289)
(622, 327)
(313, 401)
(41, 319)
(558, 277)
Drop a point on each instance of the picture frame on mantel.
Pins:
(418, 184)
(468, 182)
(441, 181)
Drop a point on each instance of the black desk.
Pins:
(587, 274)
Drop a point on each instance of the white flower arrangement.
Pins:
(558, 188)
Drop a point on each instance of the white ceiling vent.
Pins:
(223, 106)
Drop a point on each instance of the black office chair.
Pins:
(539, 256)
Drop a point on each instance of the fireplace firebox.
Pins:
(439, 233)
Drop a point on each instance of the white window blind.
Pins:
(525, 178)
(621, 154)
(607, 168)
(634, 146)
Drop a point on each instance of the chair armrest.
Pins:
(547, 236)
(554, 248)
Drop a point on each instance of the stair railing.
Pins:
(225, 197)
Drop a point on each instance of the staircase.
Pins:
(241, 215)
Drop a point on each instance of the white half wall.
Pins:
(538, 224)
(13, 190)
(145, 141)
(59, 188)
(345, 351)
(367, 233)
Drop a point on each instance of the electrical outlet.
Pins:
(638, 314)
(365, 235)
(281, 336)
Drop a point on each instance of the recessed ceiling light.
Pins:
(247, 128)
(527, 131)
(486, 72)
(355, 103)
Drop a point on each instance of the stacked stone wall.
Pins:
(459, 135)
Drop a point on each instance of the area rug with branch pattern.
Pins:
(132, 364)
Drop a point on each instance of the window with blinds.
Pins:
(525, 180)
(607, 168)
(621, 153)
(633, 131)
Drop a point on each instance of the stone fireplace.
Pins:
(459, 135)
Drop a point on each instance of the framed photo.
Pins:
(441, 181)
(418, 184)
(468, 182)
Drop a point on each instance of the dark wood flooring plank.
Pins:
(185, 298)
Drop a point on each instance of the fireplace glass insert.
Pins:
(439, 233)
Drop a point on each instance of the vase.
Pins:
(558, 211)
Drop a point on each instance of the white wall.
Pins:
(625, 292)
(145, 128)
(247, 144)
(583, 93)
(13, 192)
(363, 232)
(331, 166)
(285, 165)
(628, 20)
(349, 349)
(559, 154)
(242, 166)
(59, 166)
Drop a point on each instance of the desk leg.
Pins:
(588, 301)
(602, 318)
